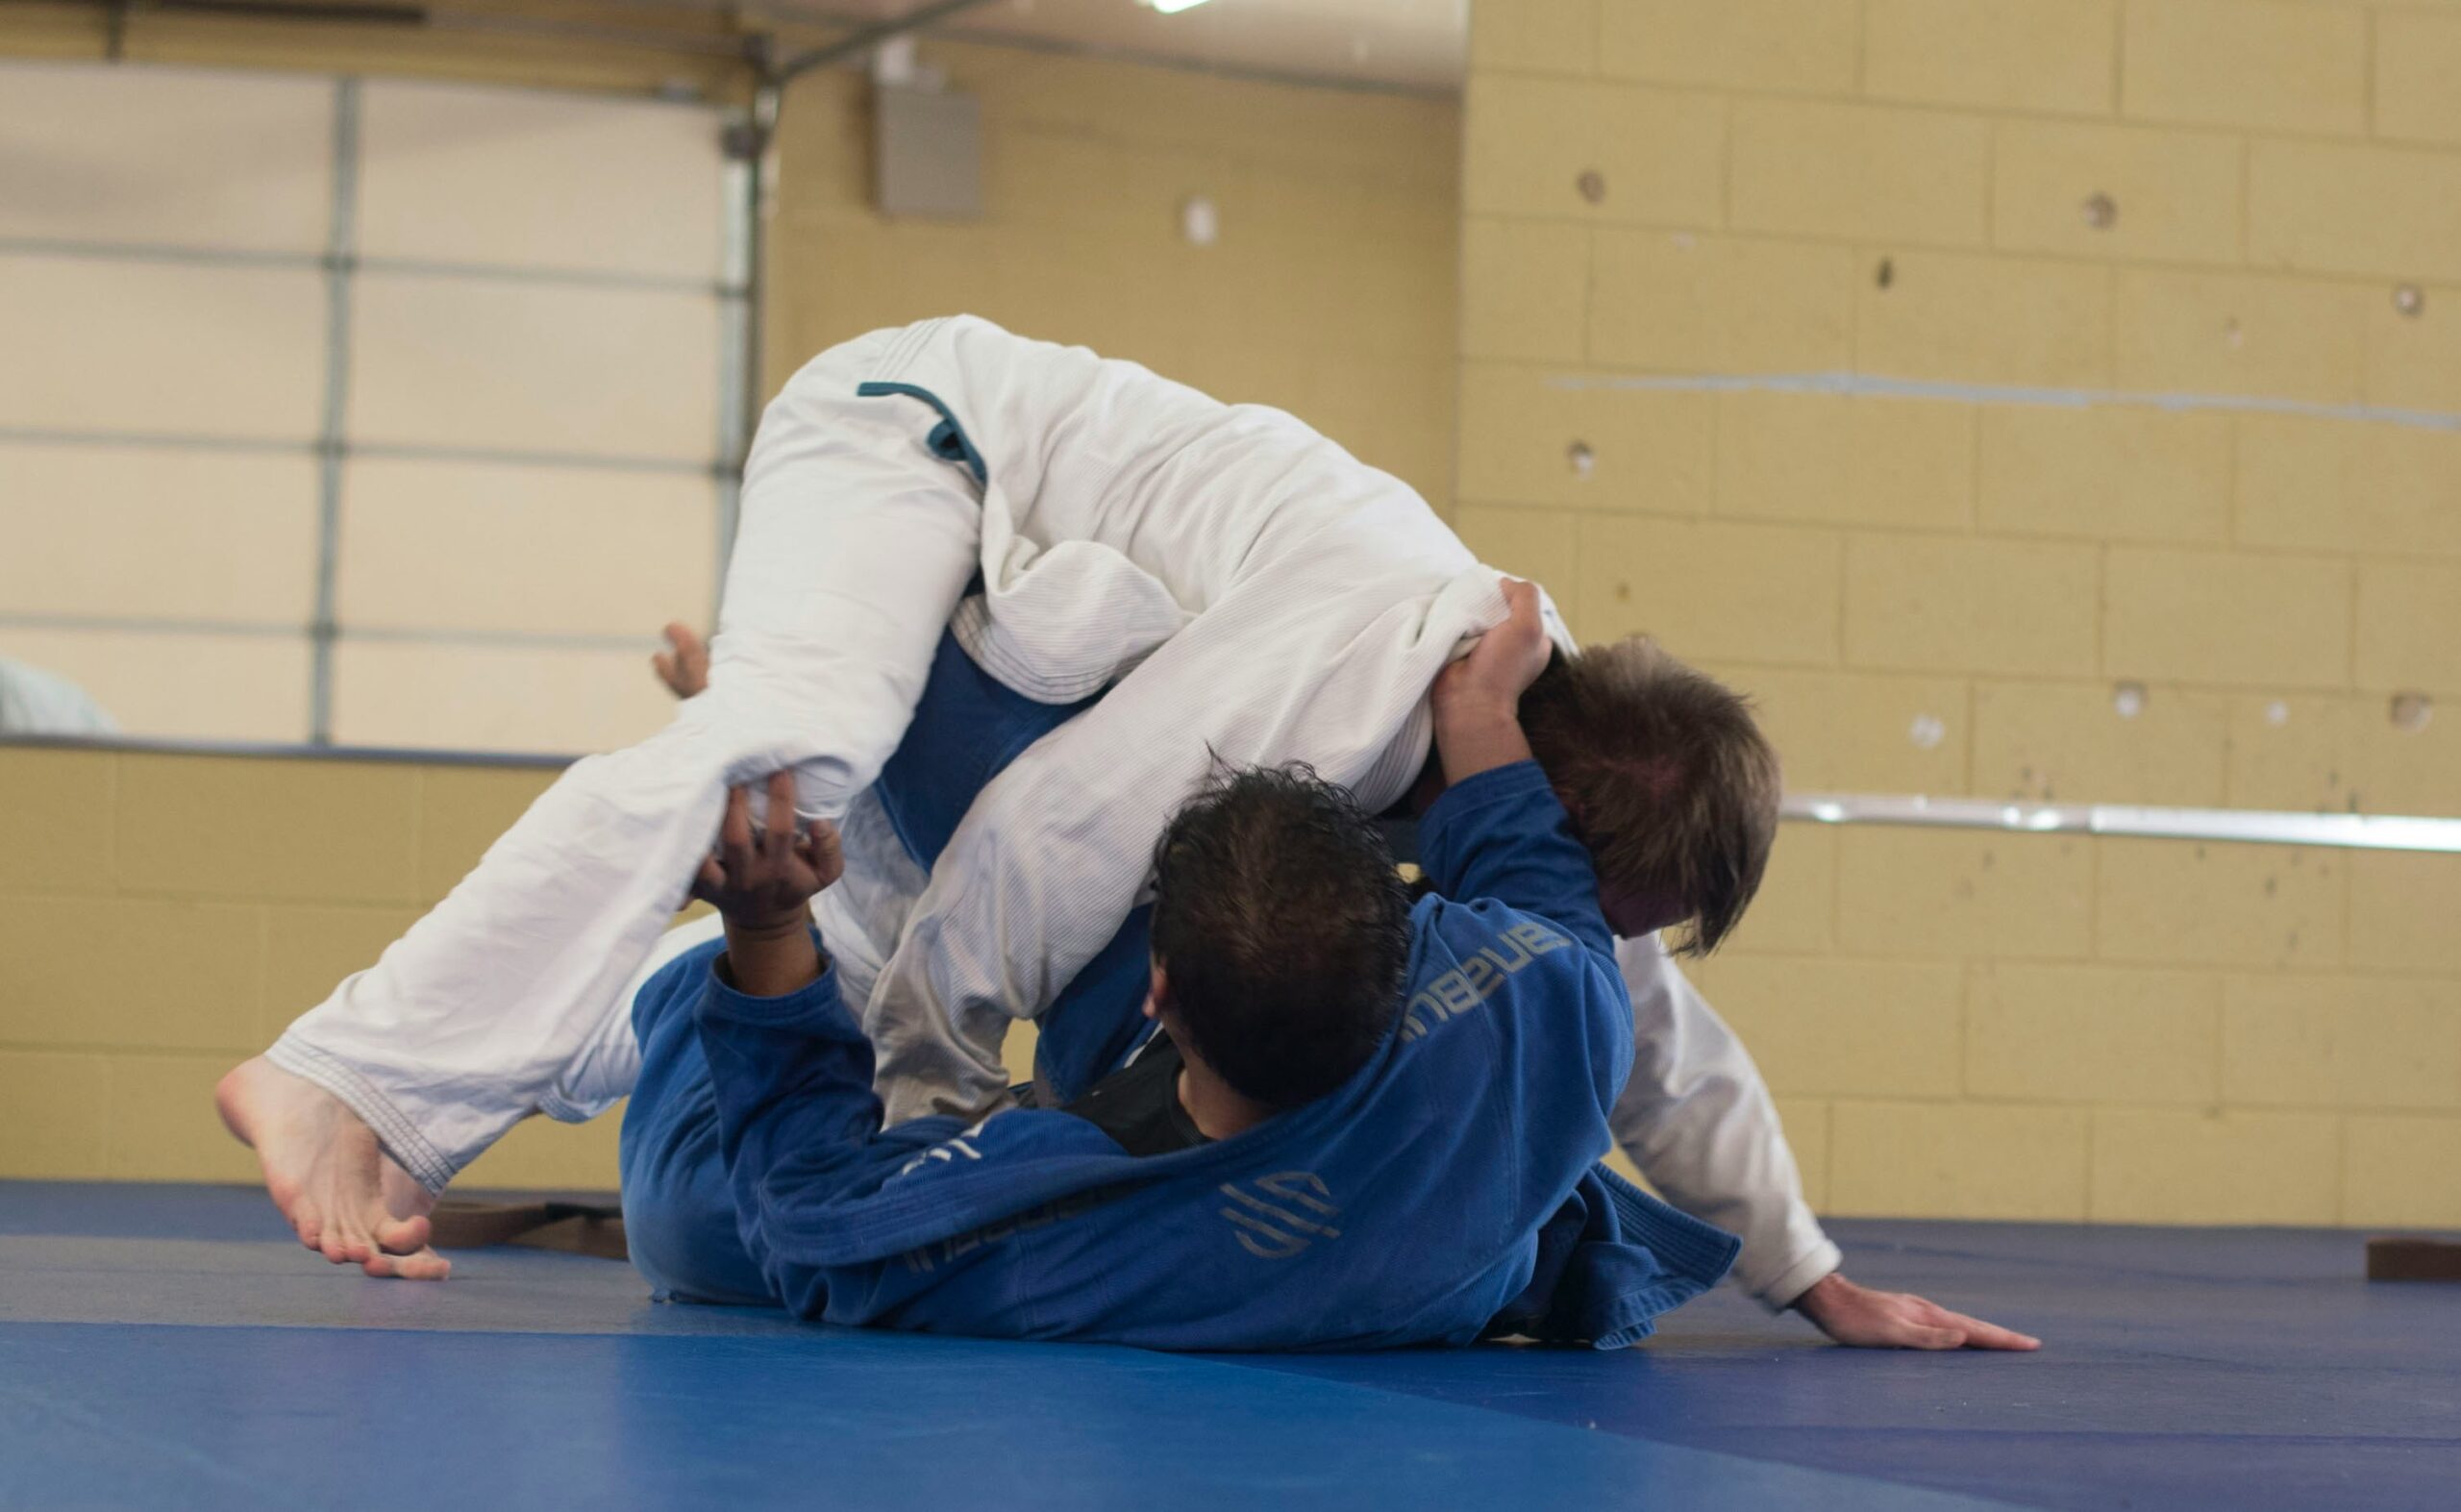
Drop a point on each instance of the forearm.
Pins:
(798, 1124)
(1474, 736)
(1696, 1119)
(771, 958)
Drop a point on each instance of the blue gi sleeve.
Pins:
(799, 1128)
(1502, 834)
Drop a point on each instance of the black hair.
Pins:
(1284, 928)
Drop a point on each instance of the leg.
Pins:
(679, 1213)
(857, 542)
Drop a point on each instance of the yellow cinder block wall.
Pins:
(163, 916)
(2029, 205)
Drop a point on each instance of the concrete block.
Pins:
(129, 973)
(55, 827)
(2401, 908)
(1843, 1027)
(1534, 36)
(163, 1125)
(2287, 67)
(2165, 1166)
(2175, 195)
(1524, 289)
(2417, 59)
(1746, 592)
(2201, 334)
(1945, 604)
(2409, 627)
(1795, 911)
(1947, 894)
(1658, 155)
(259, 828)
(2340, 753)
(2323, 208)
(2342, 1042)
(2237, 618)
(1834, 460)
(2214, 903)
(1949, 1160)
(1855, 172)
(2044, 742)
(1673, 302)
(1860, 732)
(2052, 57)
(56, 1102)
(2092, 1035)
(1524, 440)
(2329, 485)
(1986, 320)
(2397, 1172)
(1754, 46)
(2104, 472)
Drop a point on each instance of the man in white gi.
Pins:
(1243, 589)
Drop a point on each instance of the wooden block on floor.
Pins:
(2413, 1260)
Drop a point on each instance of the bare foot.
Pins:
(325, 1171)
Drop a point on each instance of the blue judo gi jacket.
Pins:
(1450, 1190)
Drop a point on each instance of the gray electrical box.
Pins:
(926, 154)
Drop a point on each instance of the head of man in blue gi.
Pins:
(1282, 929)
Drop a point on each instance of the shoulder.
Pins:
(1467, 954)
(1482, 926)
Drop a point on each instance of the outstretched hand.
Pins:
(1865, 1319)
(764, 878)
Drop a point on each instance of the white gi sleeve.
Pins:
(1697, 1120)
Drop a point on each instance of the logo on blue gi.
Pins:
(1271, 1222)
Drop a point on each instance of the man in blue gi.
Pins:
(1361, 1124)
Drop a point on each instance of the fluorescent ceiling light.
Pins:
(1174, 7)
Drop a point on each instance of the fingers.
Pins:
(734, 834)
(1914, 1336)
(825, 852)
(1981, 1335)
(1521, 601)
(779, 835)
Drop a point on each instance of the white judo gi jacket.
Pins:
(1246, 589)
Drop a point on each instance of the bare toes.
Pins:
(425, 1265)
(402, 1236)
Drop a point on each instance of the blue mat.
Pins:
(171, 1346)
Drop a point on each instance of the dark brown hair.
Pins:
(1667, 779)
(1284, 927)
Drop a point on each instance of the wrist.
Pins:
(1821, 1295)
(771, 958)
(764, 928)
(1470, 711)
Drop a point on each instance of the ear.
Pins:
(1158, 996)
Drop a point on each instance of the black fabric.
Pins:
(1138, 1105)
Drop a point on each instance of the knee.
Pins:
(682, 1239)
